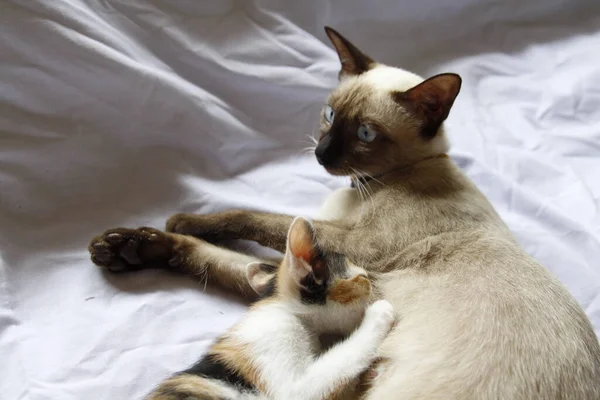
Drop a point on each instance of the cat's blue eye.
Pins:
(329, 114)
(366, 134)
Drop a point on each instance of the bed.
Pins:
(122, 112)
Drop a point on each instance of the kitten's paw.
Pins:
(381, 314)
(123, 249)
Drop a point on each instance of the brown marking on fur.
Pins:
(238, 357)
(354, 61)
(233, 224)
(184, 386)
(348, 290)
(431, 101)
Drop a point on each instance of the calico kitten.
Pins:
(273, 352)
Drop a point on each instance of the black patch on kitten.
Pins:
(324, 266)
(268, 268)
(312, 292)
(210, 367)
(270, 289)
(337, 265)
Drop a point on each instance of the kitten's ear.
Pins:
(261, 277)
(302, 253)
(431, 100)
(354, 61)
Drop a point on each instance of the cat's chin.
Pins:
(336, 171)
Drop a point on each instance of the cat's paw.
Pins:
(122, 249)
(381, 315)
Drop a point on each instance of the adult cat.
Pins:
(480, 318)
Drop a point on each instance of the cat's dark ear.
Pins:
(354, 61)
(302, 253)
(431, 100)
(261, 277)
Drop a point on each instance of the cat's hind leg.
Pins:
(123, 249)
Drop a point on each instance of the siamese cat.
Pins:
(273, 352)
(479, 317)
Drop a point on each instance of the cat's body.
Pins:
(479, 318)
(274, 351)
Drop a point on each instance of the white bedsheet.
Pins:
(121, 112)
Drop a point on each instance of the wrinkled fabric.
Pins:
(121, 112)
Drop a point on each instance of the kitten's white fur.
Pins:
(286, 350)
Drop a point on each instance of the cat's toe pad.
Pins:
(123, 249)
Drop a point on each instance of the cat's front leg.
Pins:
(268, 229)
(123, 249)
(337, 367)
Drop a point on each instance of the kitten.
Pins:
(273, 352)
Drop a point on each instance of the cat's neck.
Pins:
(403, 171)
(432, 173)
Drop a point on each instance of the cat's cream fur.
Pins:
(480, 318)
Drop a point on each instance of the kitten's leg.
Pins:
(124, 249)
(194, 387)
(268, 229)
(344, 362)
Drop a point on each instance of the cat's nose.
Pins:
(323, 153)
(320, 158)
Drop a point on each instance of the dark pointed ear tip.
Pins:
(331, 33)
(455, 77)
(450, 75)
(451, 80)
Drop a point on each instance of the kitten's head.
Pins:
(380, 118)
(324, 284)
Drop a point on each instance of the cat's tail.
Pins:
(194, 387)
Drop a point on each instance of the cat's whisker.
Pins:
(364, 194)
(312, 138)
(358, 184)
(203, 278)
(370, 176)
(348, 175)
(309, 149)
(355, 180)
(359, 190)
